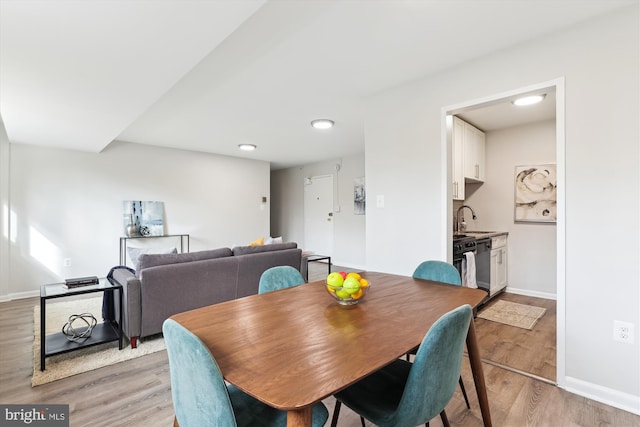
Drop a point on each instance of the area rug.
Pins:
(86, 359)
(513, 314)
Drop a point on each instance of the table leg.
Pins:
(478, 374)
(43, 335)
(299, 418)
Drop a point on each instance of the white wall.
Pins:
(531, 246)
(68, 204)
(404, 161)
(4, 211)
(287, 216)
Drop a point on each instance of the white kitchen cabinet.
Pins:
(457, 159)
(467, 156)
(498, 275)
(474, 153)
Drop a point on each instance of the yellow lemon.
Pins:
(364, 283)
(330, 289)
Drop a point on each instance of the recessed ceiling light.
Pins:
(529, 100)
(247, 147)
(322, 123)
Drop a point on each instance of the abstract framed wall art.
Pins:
(536, 193)
(359, 197)
(147, 217)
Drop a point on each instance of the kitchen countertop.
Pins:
(484, 234)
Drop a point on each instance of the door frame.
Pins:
(558, 85)
(333, 198)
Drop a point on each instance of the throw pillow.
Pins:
(134, 253)
(257, 242)
(245, 250)
(272, 240)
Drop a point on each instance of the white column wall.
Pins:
(404, 162)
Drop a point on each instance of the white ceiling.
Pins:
(207, 75)
(504, 114)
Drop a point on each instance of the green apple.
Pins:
(351, 285)
(342, 294)
(335, 280)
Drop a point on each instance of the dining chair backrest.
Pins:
(435, 371)
(280, 277)
(200, 396)
(438, 271)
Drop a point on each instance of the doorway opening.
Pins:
(472, 109)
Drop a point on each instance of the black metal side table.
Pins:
(58, 343)
(315, 258)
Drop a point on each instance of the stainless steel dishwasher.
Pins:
(483, 263)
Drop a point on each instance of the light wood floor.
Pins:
(137, 392)
(531, 351)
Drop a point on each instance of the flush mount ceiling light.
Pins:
(247, 147)
(529, 100)
(322, 123)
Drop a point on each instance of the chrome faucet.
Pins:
(461, 225)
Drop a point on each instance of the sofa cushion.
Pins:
(244, 250)
(152, 260)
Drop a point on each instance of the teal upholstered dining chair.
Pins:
(200, 395)
(405, 394)
(440, 271)
(280, 277)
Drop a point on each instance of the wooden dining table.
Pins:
(294, 347)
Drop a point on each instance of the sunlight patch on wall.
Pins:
(5, 221)
(9, 222)
(44, 251)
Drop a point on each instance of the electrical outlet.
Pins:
(623, 331)
(380, 201)
(66, 262)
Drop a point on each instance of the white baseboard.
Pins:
(19, 295)
(349, 266)
(617, 399)
(530, 293)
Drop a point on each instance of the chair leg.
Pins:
(336, 412)
(362, 421)
(445, 420)
(464, 393)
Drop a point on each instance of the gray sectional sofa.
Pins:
(166, 284)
